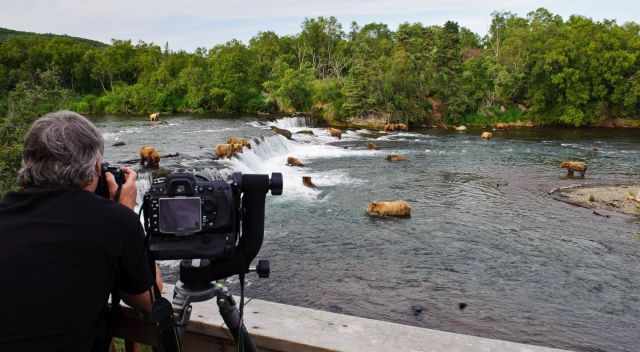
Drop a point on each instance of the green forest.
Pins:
(570, 72)
(540, 68)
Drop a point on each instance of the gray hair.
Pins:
(61, 149)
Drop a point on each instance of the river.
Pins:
(487, 250)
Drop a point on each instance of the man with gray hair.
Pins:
(64, 248)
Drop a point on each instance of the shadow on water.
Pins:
(486, 252)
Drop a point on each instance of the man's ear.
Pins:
(91, 185)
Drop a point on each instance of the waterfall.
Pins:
(290, 122)
(269, 154)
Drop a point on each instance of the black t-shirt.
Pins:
(61, 252)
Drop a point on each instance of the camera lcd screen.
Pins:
(180, 215)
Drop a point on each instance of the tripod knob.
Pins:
(263, 269)
(275, 184)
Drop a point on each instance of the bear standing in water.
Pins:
(149, 157)
(334, 132)
(396, 208)
(573, 166)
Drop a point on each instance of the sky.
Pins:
(188, 24)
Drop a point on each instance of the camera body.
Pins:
(186, 216)
(103, 189)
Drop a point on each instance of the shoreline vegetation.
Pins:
(534, 70)
(539, 69)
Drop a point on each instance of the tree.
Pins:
(322, 40)
(570, 72)
(232, 71)
(28, 101)
(291, 88)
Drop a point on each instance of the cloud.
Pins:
(187, 24)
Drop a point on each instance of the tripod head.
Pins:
(197, 274)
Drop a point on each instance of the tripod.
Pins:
(204, 279)
(200, 290)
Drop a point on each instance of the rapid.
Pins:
(487, 250)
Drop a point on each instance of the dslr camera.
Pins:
(188, 216)
(103, 189)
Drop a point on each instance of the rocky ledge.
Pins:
(614, 198)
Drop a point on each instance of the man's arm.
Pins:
(135, 274)
(143, 300)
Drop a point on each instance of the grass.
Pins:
(119, 346)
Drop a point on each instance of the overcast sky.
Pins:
(188, 24)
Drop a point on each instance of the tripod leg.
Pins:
(231, 316)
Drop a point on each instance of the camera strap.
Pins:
(161, 309)
(162, 312)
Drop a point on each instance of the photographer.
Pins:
(63, 248)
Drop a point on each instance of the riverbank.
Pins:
(378, 121)
(623, 199)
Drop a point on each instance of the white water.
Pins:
(114, 136)
(217, 130)
(269, 154)
(290, 122)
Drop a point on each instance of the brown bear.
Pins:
(334, 132)
(149, 157)
(292, 161)
(242, 141)
(372, 146)
(236, 148)
(397, 208)
(390, 127)
(154, 117)
(396, 157)
(486, 135)
(573, 166)
(285, 133)
(228, 150)
(306, 180)
(224, 150)
(501, 126)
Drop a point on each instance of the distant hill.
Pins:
(6, 34)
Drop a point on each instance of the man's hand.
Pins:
(128, 191)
